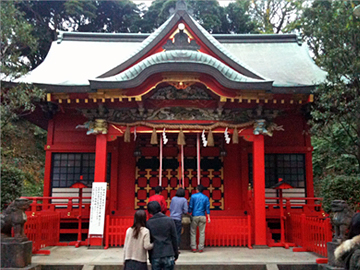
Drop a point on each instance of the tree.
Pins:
(156, 15)
(16, 100)
(208, 13)
(274, 16)
(15, 37)
(239, 21)
(47, 17)
(113, 17)
(332, 33)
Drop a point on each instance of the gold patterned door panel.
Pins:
(147, 177)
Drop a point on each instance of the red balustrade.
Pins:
(295, 205)
(67, 206)
(311, 233)
(228, 231)
(115, 229)
(222, 231)
(43, 229)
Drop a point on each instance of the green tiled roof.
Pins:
(180, 56)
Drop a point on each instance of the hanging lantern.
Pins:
(154, 137)
(127, 134)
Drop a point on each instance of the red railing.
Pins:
(43, 229)
(68, 207)
(115, 229)
(295, 205)
(311, 233)
(222, 231)
(228, 231)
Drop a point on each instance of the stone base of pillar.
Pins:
(260, 247)
(16, 254)
(331, 246)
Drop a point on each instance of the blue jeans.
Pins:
(163, 263)
(178, 226)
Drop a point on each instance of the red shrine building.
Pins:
(176, 108)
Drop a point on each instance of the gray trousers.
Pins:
(197, 221)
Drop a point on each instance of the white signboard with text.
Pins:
(97, 210)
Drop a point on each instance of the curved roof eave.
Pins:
(180, 61)
(209, 41)
(153, 39)
(213, 43)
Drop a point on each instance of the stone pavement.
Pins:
(212, 258)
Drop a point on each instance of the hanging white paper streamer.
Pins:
(165, 139)
(226, 135)
(135, 133)
(203, 137)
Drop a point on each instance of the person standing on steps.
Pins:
(137, 242)
(163, 236)
(159, 198)
(199, 206)
(178, 206)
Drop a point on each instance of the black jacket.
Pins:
(163, 235)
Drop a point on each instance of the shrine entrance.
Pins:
(179, 168)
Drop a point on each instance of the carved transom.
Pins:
(179, 113)
(189, 92)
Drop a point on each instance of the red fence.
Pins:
(228, 231)
(44, 230)
(311, 233)
(311, 206)
(115, 229)
(68, 207)
(222, 231)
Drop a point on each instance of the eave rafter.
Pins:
(117, 95)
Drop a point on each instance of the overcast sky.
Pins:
(148, 2)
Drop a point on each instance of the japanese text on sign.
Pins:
(97, 212)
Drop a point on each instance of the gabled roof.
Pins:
(83, 62)
(180, 61)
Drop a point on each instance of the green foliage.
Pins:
(210, 15)
(340, 187)
(332, 33)
(274, 16)
(15, 38)
(16, 100)
(32, 189)
(156, 15)
(22, 146)
(111, 17)
(11, 183)
(239, 20)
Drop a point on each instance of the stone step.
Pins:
(188, 267)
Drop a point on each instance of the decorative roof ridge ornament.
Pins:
(180, 5)
(181, 41)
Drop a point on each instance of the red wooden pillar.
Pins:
(99, 176)
(259, 190)
(309, 173)
(48, 159)
(100, 158)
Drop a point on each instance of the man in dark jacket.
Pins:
(163, 236)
